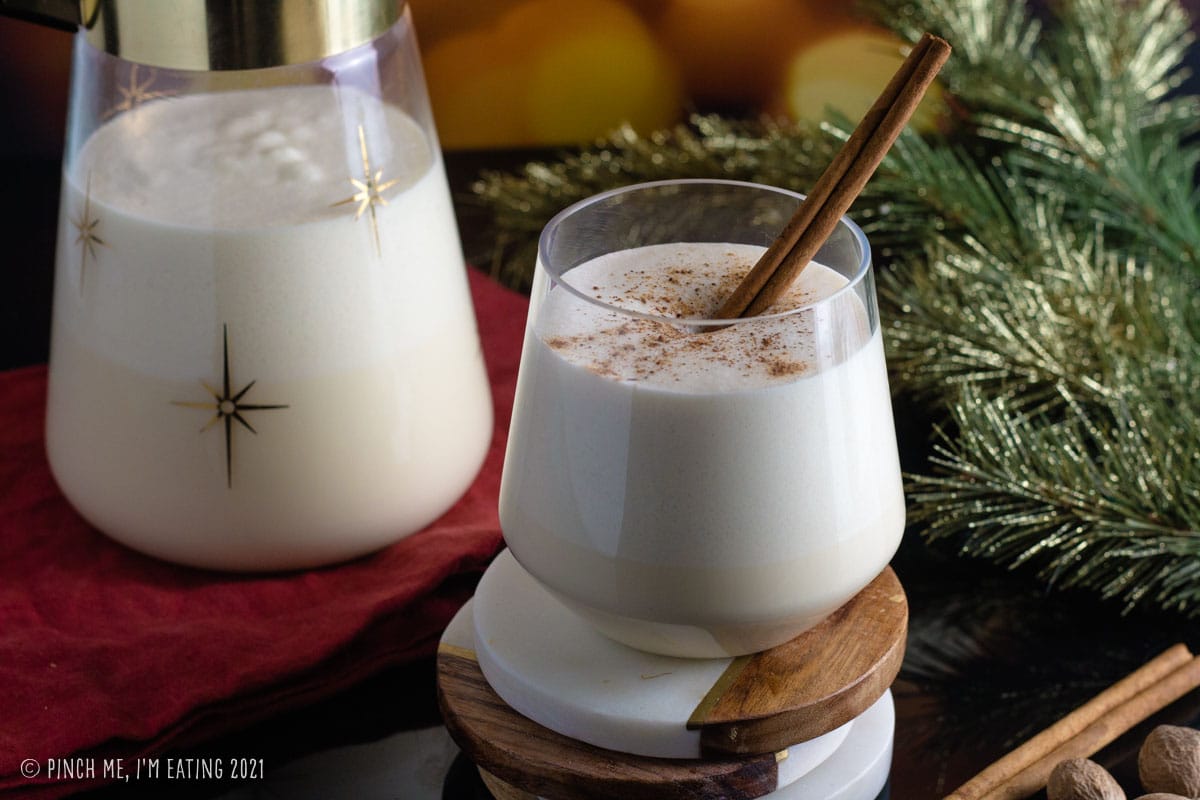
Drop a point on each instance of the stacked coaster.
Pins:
(547, 707)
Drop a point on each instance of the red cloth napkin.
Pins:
(107, 653)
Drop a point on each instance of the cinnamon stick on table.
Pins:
(1088, 728)
(840, 184)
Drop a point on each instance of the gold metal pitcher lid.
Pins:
(218, 34)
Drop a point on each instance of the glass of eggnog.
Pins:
(691, 486)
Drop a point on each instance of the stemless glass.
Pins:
(264, 354)
(699, 487)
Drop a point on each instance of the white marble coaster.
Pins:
(555, 668)
(856, 769)
(859, 767)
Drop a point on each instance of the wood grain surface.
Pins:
(535, 759)
(501, 790)
(813, 684)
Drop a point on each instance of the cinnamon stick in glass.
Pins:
(840, 184)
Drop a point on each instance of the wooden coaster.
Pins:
(547, 764)
(555, 668)
(859, 770)
(823, 678)
(532, 761)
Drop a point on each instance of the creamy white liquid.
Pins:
(217, 217)
(701, 493)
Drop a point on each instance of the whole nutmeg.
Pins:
(1169, 761)
(1160, 796)
(1082, 779)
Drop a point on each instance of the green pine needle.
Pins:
(1110, 504)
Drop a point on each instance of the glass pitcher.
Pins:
(263, 352)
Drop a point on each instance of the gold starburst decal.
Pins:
(227, 406)
(370, 190)
(87, 238)
(135, 92)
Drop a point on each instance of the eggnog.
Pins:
(701, 493)
(263, 353)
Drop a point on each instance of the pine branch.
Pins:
(1133, 55)
(1070, 326)
(708, 147)
(926, 191)
(1140, 187)
(1106, 123)
(996, 56)
(1110, 504)
(1110, 126)
(1070, 312)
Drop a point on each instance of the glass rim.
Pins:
(860, 272)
